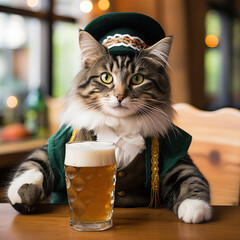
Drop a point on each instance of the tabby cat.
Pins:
(125, 97)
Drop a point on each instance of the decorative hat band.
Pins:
(125, 40)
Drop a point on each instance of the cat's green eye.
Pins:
(137, 79)
(106, 78)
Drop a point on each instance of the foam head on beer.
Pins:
(88, 154)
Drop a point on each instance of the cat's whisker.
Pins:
(146, 115)
(152, 110)
(144, 122)
(140, 114)
(147, 100)
(152, 99)
(143, 115)
(156, 116)
(105, 101)
(155, 101)
(147, 111)
(92, 107)
(152, 107)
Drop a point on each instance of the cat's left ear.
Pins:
(160, 50)
(90, 49)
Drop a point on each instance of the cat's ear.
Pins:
(90, 49)
(160, 50)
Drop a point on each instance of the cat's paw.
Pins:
(26, 191)
(194, 211)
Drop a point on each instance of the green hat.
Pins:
(125, 33)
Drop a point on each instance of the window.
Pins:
(222, 56)
(20, 57)
(66, 57)
(38, 57)
(213, 56)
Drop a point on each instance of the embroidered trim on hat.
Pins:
(125, 40)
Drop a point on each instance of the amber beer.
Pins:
(90, 170)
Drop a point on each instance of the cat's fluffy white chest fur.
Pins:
(127, 133)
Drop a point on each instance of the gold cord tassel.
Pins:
(155, 201)
(74, 135)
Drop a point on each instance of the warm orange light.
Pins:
(12, 102)
(211, 41)
(86, 6)
(32, 3)
(103, 4)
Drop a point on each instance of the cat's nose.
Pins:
(120, 97)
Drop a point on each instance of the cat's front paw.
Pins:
(26, 191)
(194, 211)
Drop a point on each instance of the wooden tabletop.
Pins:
(51, 222)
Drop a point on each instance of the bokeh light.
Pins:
(103, 4)
(32, 3)
(86, 6)
(211, 41)
(12, 102)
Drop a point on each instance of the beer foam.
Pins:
(89, 154)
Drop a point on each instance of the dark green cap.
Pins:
(125, 33)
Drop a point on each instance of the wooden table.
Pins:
(51, 222)
(11, 153)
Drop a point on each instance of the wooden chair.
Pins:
(215, 148)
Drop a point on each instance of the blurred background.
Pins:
(39, 58)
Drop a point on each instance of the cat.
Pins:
(119, 97)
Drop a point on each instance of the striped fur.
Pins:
(39, 162)
(144, 110)
(184, 181)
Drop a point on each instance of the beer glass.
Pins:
(90, 171)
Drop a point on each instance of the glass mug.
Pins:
(90, 171)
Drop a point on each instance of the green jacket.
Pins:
(172, 148)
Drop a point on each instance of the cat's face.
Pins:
(123, 86)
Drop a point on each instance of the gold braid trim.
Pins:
(74, 135)
(155, 201)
